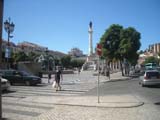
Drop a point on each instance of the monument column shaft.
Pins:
(90, 42)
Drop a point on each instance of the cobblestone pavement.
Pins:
(14, 108)
(145, 112)
(28, 102)
(21, 102)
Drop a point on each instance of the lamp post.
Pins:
(47, 64)
(1, 22)
(9, 28)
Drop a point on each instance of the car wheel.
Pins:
(143, 85)
(27, 83)
(11, 83)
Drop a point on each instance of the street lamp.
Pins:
(9, 28)
(47, 58)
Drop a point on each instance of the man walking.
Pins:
(58, 77)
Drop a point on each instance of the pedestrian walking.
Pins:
(49, 77)
(79, 70)
(58, 77)
(108, 72)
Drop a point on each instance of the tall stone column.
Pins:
(90, 31)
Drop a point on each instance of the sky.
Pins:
(61, 25)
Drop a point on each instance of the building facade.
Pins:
(76, 52)
(155, 48)
(30, 47)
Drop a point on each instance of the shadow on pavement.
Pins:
(39, 85)
(74, 90)
(157, 103)
(8, 91)
(68, 83)
(117, 80)
(153, 86)
(5, 119)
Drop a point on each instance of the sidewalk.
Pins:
(64, 109)
(116, 76)
(112, 101)
(109, 101)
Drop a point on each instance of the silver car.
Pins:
(5, 84)
(151, 77)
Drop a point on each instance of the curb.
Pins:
(138, 104)
(122, 79)
(101, 105)
(116, 80)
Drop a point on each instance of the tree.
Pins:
(48, 63)
(77, 63)
(20, 56)
(141, 52)
(65, 61)
(56, 61)
(120, 44)
(32, 56)
(130, 44)
(110, 41)
(151, 60)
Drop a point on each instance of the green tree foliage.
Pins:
(119, 44)
(140, 52)
(151, 60)
(57, 61)
(68, 62)
(110, 41)
(77, 63)
(130, 44)
(20, 56)
(65, 61)
(32, 56)
(48, 63)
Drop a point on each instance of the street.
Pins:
(21, 102)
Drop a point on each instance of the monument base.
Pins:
(91, 63)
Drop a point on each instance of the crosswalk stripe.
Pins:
(23, 109)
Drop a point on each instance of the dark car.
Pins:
(20, 77)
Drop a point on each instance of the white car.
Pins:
(5, 84)
(151, 77)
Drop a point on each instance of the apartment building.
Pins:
(75, 52)
(155, 48)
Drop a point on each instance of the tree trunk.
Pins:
(107, 69)
(121, 68)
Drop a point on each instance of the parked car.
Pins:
(20, 77)
(5, 84)
(158, 68)
(151, 77)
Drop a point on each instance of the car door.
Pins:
(8, 75)
(17, 77)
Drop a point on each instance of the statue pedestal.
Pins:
(91, 63)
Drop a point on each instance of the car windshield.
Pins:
(152, 74)
(24, 73)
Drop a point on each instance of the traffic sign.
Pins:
(99, 49)
(7, 53)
